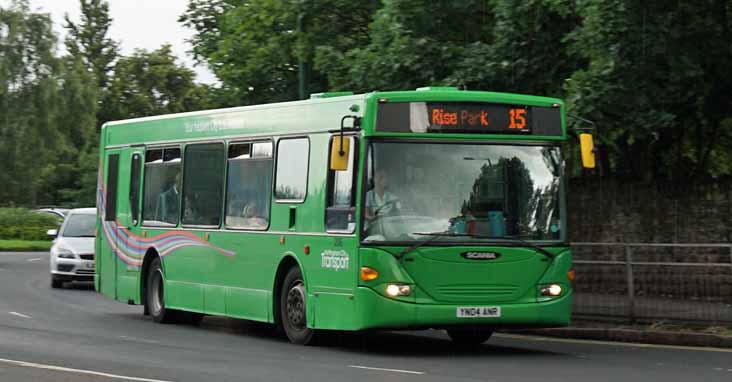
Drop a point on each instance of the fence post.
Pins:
(629, 281)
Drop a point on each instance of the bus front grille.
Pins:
(468, 293)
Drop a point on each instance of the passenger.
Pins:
(252, 216)
(169, 202)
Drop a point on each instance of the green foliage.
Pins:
(51, 107)
(657, 86)
(152, 83)
(89, 42)
(23, 224)
(257, 47)
(24, 245)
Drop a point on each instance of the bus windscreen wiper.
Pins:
(530, 244)
(432, 236)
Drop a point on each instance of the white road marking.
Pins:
(19, 314)
(134, 339)
(610, 343)
(77, 371)
(382, 369)
(34, 259)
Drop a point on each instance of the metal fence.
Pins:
(654, 282)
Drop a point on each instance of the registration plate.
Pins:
(479, 311)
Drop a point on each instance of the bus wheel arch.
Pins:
(287, 263)
(150, 255)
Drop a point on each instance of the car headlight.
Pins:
(64, 253)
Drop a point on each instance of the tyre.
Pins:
(155, 294)
(56, 283)
(469, 336)
(293, 304)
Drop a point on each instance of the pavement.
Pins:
(77, 335)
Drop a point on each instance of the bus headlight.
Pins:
(551, 290)
(395, 290)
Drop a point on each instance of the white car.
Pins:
(72, 253)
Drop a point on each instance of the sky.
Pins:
(145, 24)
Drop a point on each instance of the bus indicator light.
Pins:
(368, 274)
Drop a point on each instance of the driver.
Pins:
(379, 201)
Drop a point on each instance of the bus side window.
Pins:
(161, 187)
(340, 213)
(112, 179)
(249, 186)
(135, 187)
(203, 190)
(291, 180)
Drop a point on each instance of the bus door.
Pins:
(127, 219)
(106, 262)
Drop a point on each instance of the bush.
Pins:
(23, 224)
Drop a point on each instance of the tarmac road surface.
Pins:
(77, 335)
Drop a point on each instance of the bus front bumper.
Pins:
(377, 311)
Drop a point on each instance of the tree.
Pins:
(28, 103)
(657, 86)
(257, 47)
(88, 40)
(152, 83)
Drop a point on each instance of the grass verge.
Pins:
(24, 245)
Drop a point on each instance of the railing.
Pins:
(654, 282)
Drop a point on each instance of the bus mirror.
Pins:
(339, 151)
(587, 150)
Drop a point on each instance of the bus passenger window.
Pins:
(248, 188)
(340, 215)
(161, 188)
(203, 171)
(135, 187)
(292, 169)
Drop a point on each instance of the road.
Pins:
(77, 335)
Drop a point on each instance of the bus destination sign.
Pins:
(467, 117)
(477, 117)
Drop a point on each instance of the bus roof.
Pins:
(321, 113)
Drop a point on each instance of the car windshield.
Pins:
(465, 192)
(80, 225)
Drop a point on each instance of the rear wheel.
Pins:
(56, 283)
(469, 336)
(293, 309)
(155, 299)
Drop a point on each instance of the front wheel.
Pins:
(293, 313)
(56, 283)
(155, 294)
(469, 336)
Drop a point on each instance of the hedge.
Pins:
(24, 224)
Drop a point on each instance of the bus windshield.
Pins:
(463, 192)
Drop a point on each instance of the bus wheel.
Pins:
(469, 336)
(155, 300)
(292, 309)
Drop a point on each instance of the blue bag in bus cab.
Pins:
(496, 223)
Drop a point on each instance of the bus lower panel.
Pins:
(378, 312)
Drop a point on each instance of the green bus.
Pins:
(435, 208)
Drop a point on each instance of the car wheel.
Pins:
(469, 336)
(155, 298)
(293, 304)
(56, 283)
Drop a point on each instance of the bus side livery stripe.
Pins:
(133, 247)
